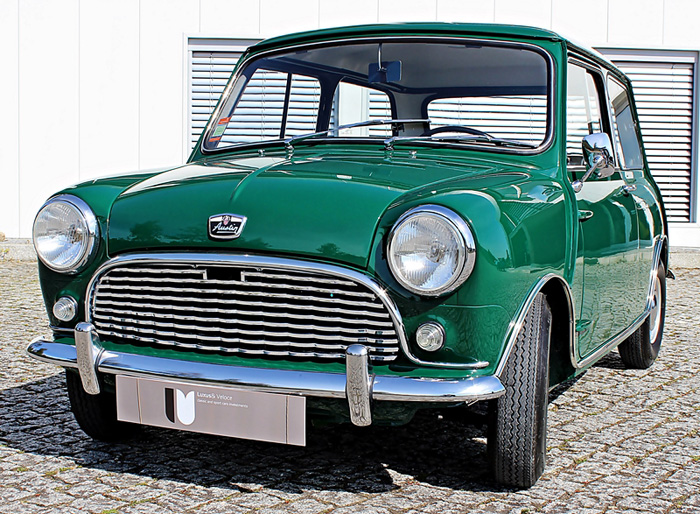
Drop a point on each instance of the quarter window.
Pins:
(624, 129)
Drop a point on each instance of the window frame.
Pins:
(551, 123)
(599, 76)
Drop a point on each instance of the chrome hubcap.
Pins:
(655, 314)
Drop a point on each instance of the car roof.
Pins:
(408, 29)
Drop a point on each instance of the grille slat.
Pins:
(243, 309)
(267, 294)
(110, 322)
(307, 307)
(244, 351)
(149, 308)
(296, 287)
(141, 332)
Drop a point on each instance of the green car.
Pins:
(376, 220)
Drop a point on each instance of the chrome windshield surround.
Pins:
(551, 122)
(467, 243)
(282, 263)
(92, 226)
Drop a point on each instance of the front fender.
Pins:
(520, 229)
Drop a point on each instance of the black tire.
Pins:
(639, 351)
(517, 432)
(96, 414)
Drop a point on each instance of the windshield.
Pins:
(457, 92)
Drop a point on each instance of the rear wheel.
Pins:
(639, 351)
(96, 414)
(517, 434)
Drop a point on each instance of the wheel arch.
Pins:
(560, 299)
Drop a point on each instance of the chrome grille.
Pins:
(243, 309)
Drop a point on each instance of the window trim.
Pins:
(600, 75)
(622, 161)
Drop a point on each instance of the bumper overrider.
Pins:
(358, 385)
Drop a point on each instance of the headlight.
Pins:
(65, 230)
(431, 250)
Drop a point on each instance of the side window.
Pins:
(583, 113)
(624, 130)
(353, 104)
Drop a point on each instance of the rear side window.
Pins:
(624, 129)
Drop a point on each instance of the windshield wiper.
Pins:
(468, 138)
(288, 143)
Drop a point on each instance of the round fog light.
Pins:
(65, 308)
(430, 336)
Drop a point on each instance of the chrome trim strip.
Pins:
(272, 262)
(517, 323)
(612, 343)
(615, 341)
(655, 261)
(247, 57)
(358, 386)
(305, 383)
(87, 354)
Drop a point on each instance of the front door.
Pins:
(608, 224)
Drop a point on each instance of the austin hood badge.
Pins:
(226, 226)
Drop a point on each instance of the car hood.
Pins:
(319, 205)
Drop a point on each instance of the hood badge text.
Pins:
(226, 226)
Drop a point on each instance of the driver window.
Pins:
(583, 113)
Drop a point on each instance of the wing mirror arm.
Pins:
(598, 152)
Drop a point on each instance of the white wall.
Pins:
(94, 87)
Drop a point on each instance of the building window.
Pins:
(664, 91)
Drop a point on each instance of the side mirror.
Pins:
(598, 153)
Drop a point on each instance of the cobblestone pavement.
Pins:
(619, 441)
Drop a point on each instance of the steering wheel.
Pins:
(457, 128)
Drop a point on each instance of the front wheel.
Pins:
(517, 432)
(639, 351)
(96, 414)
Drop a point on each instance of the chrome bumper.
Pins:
(358, 384)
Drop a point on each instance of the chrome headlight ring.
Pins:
(65, 233)
(431, 250)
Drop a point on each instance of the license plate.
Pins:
(222, 411)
